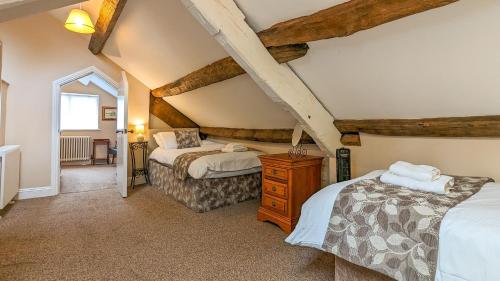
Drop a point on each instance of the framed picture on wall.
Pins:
(109, 113)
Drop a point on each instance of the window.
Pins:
(79, 112)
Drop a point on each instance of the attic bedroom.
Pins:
(249, 140)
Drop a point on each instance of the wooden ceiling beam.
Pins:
(262, 135)
(338, 21)
(169, 114)
(108, 16)
(224, 69)
(226, 23)
(455, 127)
(282, 38)
(344, 19)
(351, 139)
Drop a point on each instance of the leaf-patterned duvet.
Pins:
(391, 229)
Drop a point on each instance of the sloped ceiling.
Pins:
(444, 62)
(159, 41)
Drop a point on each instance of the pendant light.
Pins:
(79, 21)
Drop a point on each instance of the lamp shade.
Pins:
(79, 21)
(139, 129)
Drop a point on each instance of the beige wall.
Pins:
(138, 104)
(275, 148)
(107, 129)
(454, 156)
(470, 157)
(38, 50)
(3, 109)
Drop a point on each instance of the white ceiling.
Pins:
(91, 6)
(443, 62)
(99, 82)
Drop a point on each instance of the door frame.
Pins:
(56, 112)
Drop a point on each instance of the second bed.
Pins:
(213, 179)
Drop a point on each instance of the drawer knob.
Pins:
(274, 188)
(273, 204)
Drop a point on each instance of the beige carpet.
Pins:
(87, 178)
(98, 235)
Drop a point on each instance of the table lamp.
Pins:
(139, 130)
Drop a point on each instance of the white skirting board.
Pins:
(46, 191)
(36, 192)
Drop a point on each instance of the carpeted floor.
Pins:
(98, 235)
(87, 178)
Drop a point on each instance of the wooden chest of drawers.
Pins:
(286, 184)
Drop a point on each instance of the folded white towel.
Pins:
(234, 147)
(441, 186)
(417, 172)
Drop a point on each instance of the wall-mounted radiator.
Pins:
(9, 173)
(75, 148)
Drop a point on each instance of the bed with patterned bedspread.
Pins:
(406, 234)
(204, 178)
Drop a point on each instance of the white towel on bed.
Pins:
(234, 147)
(441, 186)
(417, 172)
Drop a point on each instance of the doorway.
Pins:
(88, 136)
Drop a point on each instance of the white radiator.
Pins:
(75, 148)
(9, 176)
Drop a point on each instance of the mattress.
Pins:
(469, 237)
(219, 165)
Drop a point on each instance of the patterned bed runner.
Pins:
(391, 229)
(182, 162)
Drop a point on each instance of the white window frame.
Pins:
(98, 112)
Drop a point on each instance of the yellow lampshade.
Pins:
(139, 129)
(79, 21)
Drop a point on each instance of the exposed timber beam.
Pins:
(338, 21)
(108, 16)
(476, 126)
(168, 114)
(344, 19)
(21, 8)
(262, 135)
(351, 139)
(226, 23)
(224, 69)
(175, 119)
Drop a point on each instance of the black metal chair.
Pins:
(113, 152)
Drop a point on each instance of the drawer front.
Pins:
(275, 188)
(274, 204)
(274, 172)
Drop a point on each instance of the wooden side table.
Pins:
(95, 143)
(134, 146)
(286, 184)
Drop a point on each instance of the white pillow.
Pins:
(158, 140)
(166, 140)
